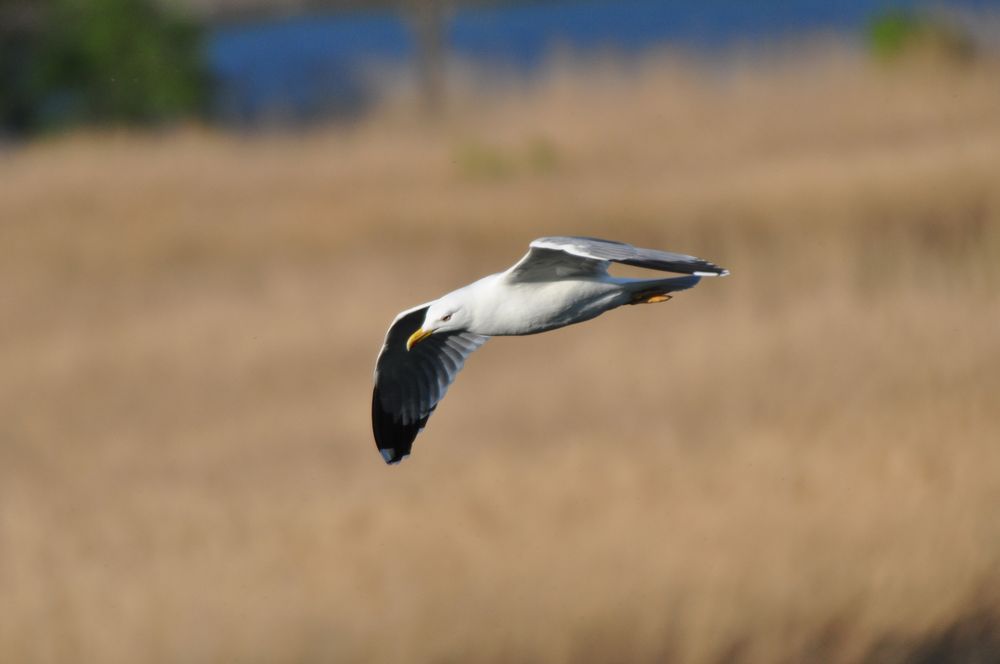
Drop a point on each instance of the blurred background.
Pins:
(211, 210)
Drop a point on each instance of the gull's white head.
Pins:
(444, 315)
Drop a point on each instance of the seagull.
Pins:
(559, 282)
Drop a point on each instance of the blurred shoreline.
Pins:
(288, 69)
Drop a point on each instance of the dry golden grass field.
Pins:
(797, 463)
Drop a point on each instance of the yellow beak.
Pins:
(417, 337)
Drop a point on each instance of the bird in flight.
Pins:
(559, 282)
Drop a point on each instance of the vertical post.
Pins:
(428, 20)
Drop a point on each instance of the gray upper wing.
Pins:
(561, 256)
(409, 384)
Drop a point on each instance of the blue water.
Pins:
(297, 69)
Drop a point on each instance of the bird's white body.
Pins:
(499, 307)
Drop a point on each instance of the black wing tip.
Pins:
(393, 438)
(697, 267)
(393, 456)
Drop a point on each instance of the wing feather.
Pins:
(559, 257)
(409, 384)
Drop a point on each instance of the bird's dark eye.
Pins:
(446, 318)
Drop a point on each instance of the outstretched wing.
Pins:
(563, 257)
(410, 383)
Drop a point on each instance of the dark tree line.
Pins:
(67, 62)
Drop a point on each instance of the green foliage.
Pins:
(104, 61)
(895, 34)
(543, 156)
(480, 161)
